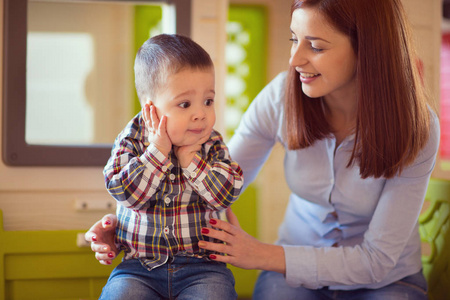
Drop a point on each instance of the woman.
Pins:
(360, 145)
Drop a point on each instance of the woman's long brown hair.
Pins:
(393, 120)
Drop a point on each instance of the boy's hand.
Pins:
(185, 154)
(157, 129)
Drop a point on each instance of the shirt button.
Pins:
(207, 195)
(167, 200)
(172, 177)
(166, 229)
(332, 180)
(164, 168)
(193, 174)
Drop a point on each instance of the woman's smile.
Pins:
(308, 77)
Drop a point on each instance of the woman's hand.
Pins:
(241, 249)
(101, 236)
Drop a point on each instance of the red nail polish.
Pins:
(107, 222)
(205, 230)
(94, 238)
(213, 222)
(212, 256)
(108, 262)
(110, 254)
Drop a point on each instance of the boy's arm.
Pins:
(215, 176)
(134, 171)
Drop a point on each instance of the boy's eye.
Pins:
(209, 102)
(184, 104)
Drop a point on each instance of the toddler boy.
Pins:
(170, 173)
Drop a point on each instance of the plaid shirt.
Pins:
(161, 206)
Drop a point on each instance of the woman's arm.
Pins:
(362, 264)
(241, 249)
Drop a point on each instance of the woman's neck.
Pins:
(341, 115)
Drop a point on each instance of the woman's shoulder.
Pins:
(434, 131)
(431, 146)
(273, 94)
(277, 86)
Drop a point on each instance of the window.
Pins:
(62, 105)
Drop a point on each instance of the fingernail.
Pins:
(201, 244)
(110, 254)
(212, 256)
(105, 248)
(107, 222)
(213, 222)
(205, 230)
(94, 238)
(108, 262)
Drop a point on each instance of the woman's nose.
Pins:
(297, 57)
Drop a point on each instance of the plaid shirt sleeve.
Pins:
(214, 175)
(135, 168)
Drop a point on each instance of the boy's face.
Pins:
(187, 99)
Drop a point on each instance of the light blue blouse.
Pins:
(372, 223)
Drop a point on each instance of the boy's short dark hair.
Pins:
(164, 55)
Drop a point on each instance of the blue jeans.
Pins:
(271, 285)
(182, 278)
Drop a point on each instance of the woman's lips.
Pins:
(308, 77)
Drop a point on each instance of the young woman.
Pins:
(360, 144)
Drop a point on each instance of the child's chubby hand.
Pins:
(157, 129)
(186, 153)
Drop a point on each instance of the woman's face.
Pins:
(323, 56)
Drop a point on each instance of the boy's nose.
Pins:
(199, 115)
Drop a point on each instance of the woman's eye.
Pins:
(209, 102)
(294, 40)
(184, 104)
(317, 50)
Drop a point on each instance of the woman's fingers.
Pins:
(221, 235)
(105, 257)
(226, 226)
(232, 219)
(101, 237)
(109, 221)
(216, 247)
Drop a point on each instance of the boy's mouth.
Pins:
(196, 131)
